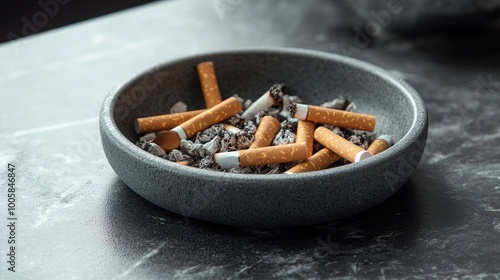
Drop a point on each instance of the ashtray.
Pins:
(266, 201)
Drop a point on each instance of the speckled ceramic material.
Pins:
(270, 201)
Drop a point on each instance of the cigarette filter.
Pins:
(320, 160)
(209, 85)
(382, 143)
(335, 117)
(231, 128)
(163, 122)
(305, 133)
(262, 156)
(171, 139)
(184, 162)
(273, 95)
(339, 145)
(266, 132)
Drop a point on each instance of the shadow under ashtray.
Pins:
(400, 220)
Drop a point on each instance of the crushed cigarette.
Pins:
(305, 133)
(264, 136)
(382, 143)
(332, 117)
(209, 85)
(262, 156)
(162, 122)
(272, 96)
(339, 145)
(320, 160)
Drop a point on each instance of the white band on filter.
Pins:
(362, 155)
(386, 138)
(180, 131)
(301, 111)
(227, 160)
(264, 102)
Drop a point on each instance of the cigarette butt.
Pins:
(382, 143)
(163, 122)
(171, 139)
(266, 132)
(273, 95)
(262, 156)
(209, 85)
(320, 160)
(339, 145)
(184, 162)
(264, 102)
(211, 116)
(231, 128)
(335, 117)
(167, 140)
(305, 133)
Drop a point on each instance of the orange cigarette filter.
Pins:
(262, 156)
(382, 143)
(305, 133)
(171, 139)
(209, 85)
(335, 117)
(264, 136)
(214, 115)
(339, 145)
(320, 160)
(184, 162)
(162, 122)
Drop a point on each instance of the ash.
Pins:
(287, 133)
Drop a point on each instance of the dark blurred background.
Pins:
(19, 18)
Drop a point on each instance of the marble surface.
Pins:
(77, 220)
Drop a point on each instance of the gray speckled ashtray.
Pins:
(270, 201)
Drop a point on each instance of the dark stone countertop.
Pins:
(77, 220)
